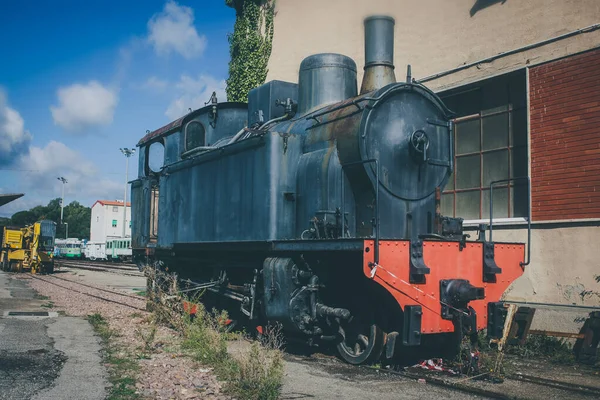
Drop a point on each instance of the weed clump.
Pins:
(206, 339)
(147, 336)
(558, 351)
(491, 361)
(258, 375)
(253, 373)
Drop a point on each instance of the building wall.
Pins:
(110, 216)
(97, 223)
(564, 263)
(565, 138)
(101, 226)
(433, 35)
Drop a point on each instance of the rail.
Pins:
(463, 385)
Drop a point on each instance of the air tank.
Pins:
(325, 79)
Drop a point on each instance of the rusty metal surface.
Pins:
(161, 131)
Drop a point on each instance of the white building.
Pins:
(107, 220)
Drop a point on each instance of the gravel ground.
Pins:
(164, 372)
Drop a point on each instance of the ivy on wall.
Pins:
(250, 46)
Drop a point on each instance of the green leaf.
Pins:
(250, 46)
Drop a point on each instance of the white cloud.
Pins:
(193, 93)
(47, 163)
(173, 30)
(84, 106)
(155, 83)
(14, 139)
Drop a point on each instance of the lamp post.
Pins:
(127, 153)
(62, 198)
(67, 230)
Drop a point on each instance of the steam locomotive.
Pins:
(317, 206)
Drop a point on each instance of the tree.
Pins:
(78, 218)
(250, 46)
(75, 215)
(23, 218)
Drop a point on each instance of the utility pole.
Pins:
(127, 153)
(62, 198)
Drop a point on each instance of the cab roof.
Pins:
(176, 125)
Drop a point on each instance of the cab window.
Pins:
(195, 135)
(156, 157)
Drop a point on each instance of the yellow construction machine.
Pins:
(30, 248)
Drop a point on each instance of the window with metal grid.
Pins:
(490, 139)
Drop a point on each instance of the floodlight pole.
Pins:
(62, 197)
(127, 153)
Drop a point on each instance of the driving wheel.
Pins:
(361, 343)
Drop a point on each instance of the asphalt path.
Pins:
(45, 357)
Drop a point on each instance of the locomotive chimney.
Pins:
(379, 53)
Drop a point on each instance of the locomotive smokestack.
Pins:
(379, 53)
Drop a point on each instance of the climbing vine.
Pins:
(250, 46)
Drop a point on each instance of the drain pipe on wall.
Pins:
(588, 29)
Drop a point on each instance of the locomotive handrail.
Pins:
(519, 178)
(362, 162)
(350, 103)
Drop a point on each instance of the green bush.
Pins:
(558, 351)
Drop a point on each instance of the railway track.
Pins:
(568, 386)
(51, 279)
(464, 385)
(121, 268)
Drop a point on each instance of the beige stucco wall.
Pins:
(564, 262)
(432, 35)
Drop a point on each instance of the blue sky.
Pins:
(79, 79)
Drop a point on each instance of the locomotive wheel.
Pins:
(361, 343)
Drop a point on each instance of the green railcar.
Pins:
(118, 249)
(68, 248)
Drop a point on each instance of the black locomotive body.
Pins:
(317, 206)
